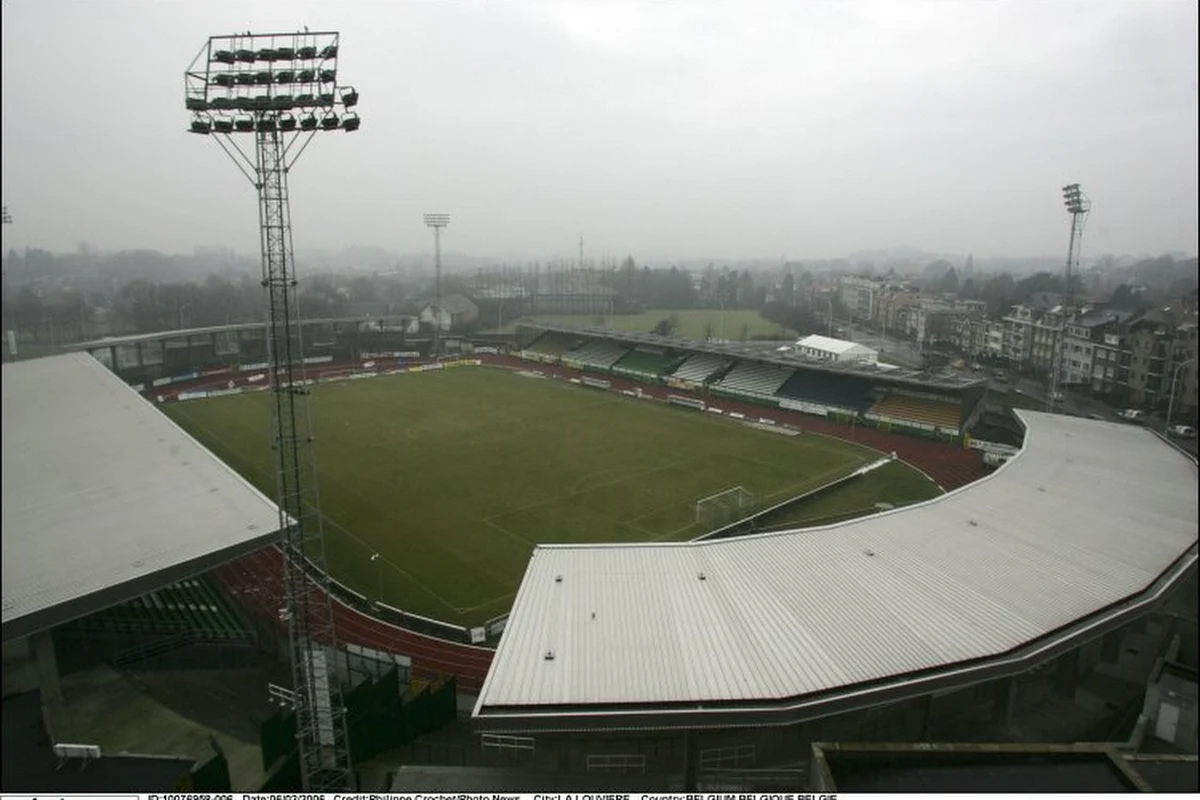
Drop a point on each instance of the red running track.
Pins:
(256, 579)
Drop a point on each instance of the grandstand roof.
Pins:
(137, 338)
(1089, 524)
(756, 351)
(105, 498)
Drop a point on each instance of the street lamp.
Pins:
(1174, 383)
(378, 575)
(437, 222)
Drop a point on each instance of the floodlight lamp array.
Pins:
(269, 82)
(437, 220)
(1074, 200)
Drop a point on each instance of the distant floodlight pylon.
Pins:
(1078, 206)
(437, 222)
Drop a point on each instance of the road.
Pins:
(898, 350)
(1087, 407)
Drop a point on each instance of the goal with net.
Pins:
(724, 507)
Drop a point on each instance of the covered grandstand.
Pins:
(111, 516)
(930, 403)
(1084, 531)
(105, 499)
(646, 363)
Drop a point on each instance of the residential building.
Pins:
(1092, 357)
(1161, 345)
(859, 295)
(1018, 335)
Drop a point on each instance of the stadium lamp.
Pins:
(248, 83)
(1074, 200)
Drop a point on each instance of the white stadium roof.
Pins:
(835, 346)
(1087, 525)
(105, 498)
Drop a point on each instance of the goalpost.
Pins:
(724, 507)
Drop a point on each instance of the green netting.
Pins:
(445, 704)
(212, 776)
(414, 719)
(388, 710)
(360, 719)
(285, 777)
(277, 736)
(377, 720)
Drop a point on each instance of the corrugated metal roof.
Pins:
(100, 489)
(1088, 514)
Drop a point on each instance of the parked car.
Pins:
(1183, 431)
(1133, 415)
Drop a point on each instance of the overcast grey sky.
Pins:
(662, 129)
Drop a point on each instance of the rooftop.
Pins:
(829, 345)
(104, 498)
(157, 336)
(1087, 525)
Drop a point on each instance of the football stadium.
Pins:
(579, 554)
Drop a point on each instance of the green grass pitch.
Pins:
(453, 476)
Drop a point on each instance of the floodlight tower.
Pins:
(278, 90)
(437, 222)
(1078, 206)
(10, 335)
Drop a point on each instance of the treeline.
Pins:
(49, 308)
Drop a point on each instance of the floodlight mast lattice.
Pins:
(437, 222)
(252, 86)
(1078, 206)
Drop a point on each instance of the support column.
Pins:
(690, 761)
(926, 710)
(1066, 675)
(54, 722)
(47, 667)
(1004, 700)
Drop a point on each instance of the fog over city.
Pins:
(666, 130)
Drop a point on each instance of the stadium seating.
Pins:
(552, 343)
(644, 363)
(192, 605)
(919, 410)
(699, 368)
(835, 391)
(597, 353)
(754, 379)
